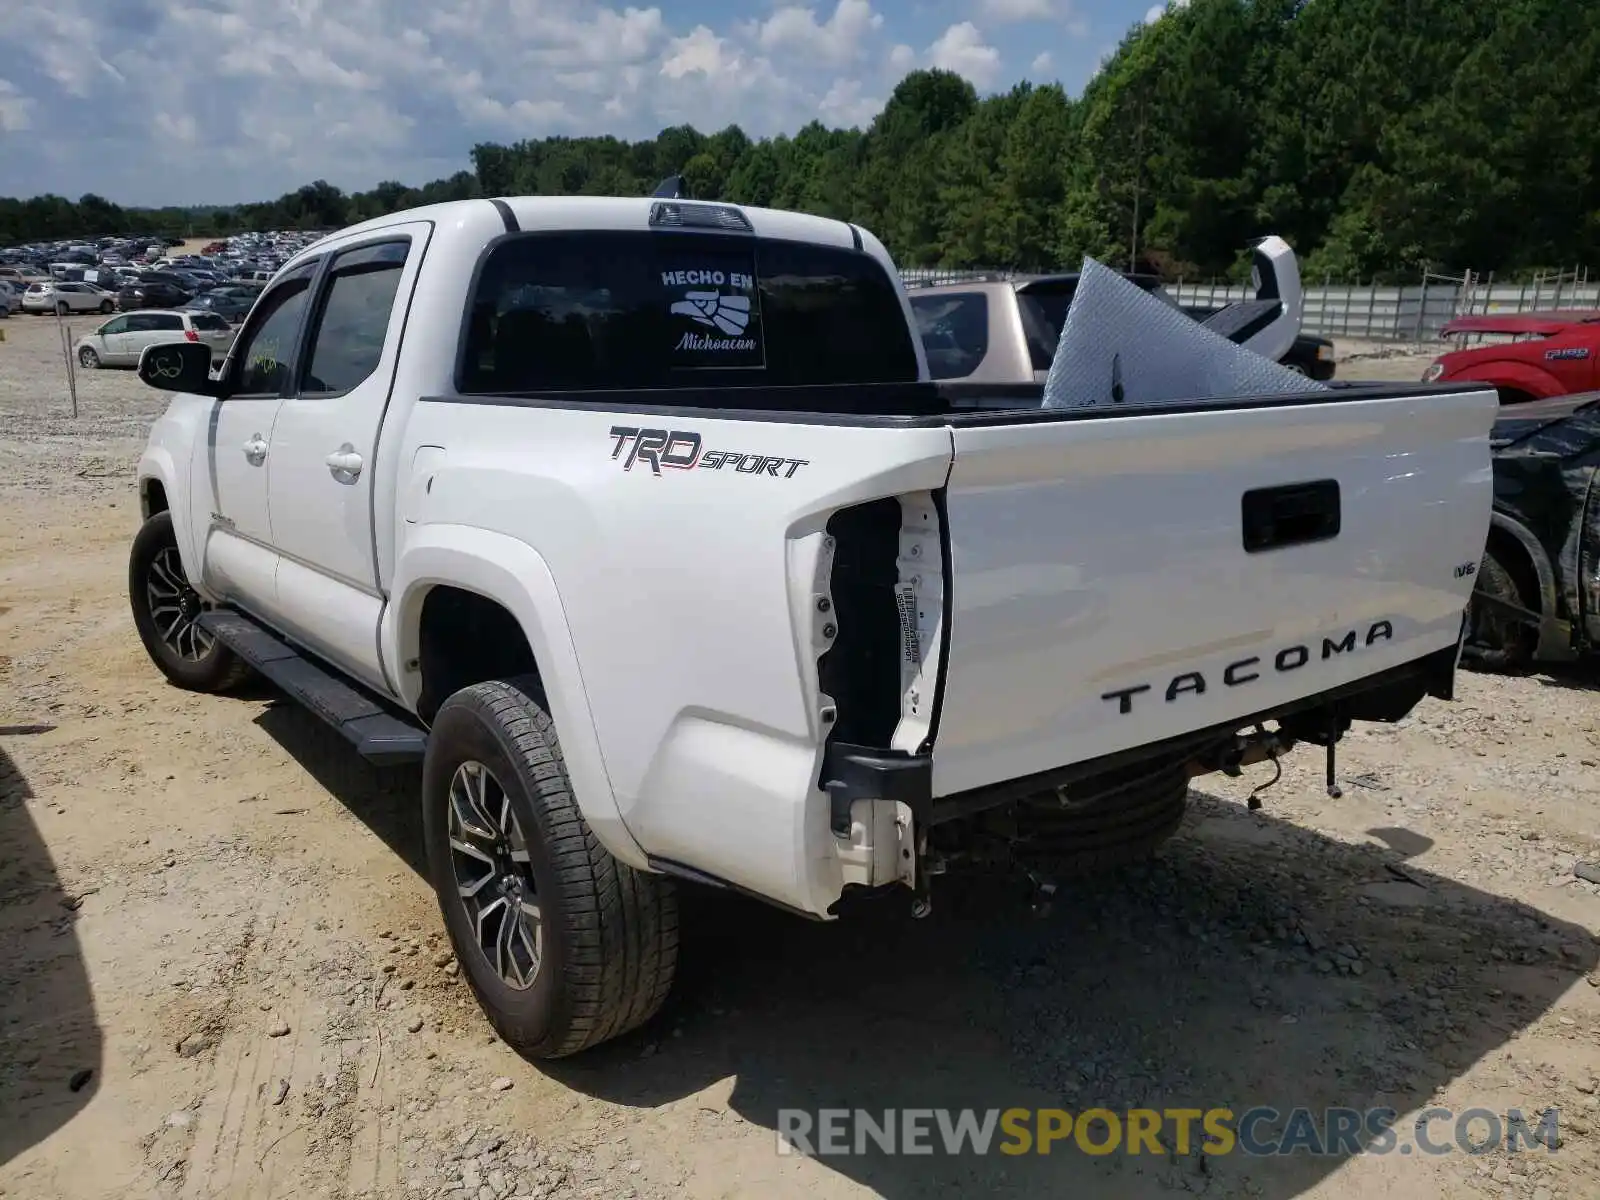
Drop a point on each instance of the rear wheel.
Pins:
(166, 612)
(106, 306)
(564, 946)
(61, 310)
(1497, 641)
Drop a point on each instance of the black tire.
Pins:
(1109, 822)
(609, 933)
(61, 310)
(88, 359)
(211, 667)
(106, 306)
(1496, 643)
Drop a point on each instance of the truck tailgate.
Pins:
(1122, 579)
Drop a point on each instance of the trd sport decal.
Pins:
(682, 450)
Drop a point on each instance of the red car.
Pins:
(1558, 353)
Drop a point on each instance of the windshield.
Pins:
(1044, 311)
(954, 327)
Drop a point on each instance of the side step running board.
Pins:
(378, 733)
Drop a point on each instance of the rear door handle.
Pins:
(256, 450)
(345, 463)
(1292, 515)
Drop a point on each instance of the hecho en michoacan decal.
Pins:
(714, 314)
(663, 450)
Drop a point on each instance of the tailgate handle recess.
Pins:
(1291, 515)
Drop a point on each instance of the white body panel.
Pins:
(704, 699)
(673, 616)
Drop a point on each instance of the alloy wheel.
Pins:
(175, 607)
(494, 875)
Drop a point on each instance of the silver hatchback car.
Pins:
(119, 341)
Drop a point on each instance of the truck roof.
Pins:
(535, 213)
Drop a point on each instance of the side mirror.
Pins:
(179, 367)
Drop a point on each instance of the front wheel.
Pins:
(564, 946)
(61, 310)
(88, 359)
(166, 612)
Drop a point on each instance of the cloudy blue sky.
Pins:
(219, 101)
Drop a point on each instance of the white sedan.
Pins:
(119, 341)
(66, 298)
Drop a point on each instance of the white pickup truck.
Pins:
(640, 525)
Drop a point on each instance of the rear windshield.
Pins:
(1044, 312)
(644, 310)
(954, 327)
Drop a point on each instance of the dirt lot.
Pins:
(224, 976)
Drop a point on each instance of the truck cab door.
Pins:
(238, 560)
(325, 447)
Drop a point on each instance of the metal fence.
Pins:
(1377, 312)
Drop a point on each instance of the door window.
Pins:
(167, 322)
(142, 323)
(265, 352)
(115, 325)
(350, 329)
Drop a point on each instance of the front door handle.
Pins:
(256, 450)
(345, 463)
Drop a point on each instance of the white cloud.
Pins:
(837, 40)
(846, 106)
(1041, 63)
(180, 127)
(1019, 10)
(701, 51)
(1062, 12)
(15, 108)
(902, 58)
(961, 49)
(1157, 11)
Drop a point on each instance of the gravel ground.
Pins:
(225, 975)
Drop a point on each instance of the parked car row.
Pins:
(63, 298)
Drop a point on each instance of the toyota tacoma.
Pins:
(640, 526)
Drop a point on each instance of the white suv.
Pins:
(51, 296)
(119, 341)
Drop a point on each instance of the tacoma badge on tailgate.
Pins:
(1247, 670)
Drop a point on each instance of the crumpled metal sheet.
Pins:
(1121, 346)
